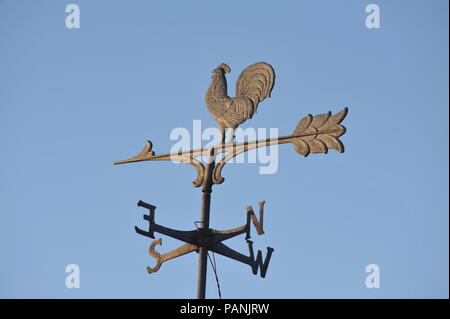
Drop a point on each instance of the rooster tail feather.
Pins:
(256, 82)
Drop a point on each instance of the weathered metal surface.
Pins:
(206, 239)
(259, 224)
(313, 134)
(204, 229)
(180, 251)
(254, 84)
(185, 157)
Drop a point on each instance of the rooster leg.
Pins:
(231, 135)
(222, 132)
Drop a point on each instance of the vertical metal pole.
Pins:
(206, 204)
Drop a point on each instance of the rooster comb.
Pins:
(225, 68)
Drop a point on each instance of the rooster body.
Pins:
(254, 84)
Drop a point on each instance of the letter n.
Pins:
(259, 224)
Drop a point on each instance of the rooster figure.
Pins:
(254, 84)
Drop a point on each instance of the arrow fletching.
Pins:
(317, 134)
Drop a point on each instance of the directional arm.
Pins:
(224, 250)
(221, 235)
(211, 239)
(185, 157)
(186, 236)
(180, 251)
(313, 134)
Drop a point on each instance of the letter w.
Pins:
(259, 261)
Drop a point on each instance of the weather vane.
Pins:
(313, 134)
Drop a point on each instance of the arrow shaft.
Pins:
(188, 156)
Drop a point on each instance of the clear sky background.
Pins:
(72, 101)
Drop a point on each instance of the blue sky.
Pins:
(72, 101)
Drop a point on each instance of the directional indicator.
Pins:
(209, 239)
(313, 134)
